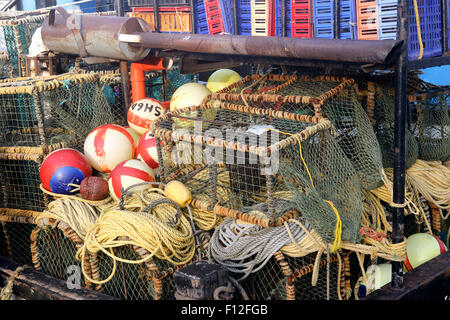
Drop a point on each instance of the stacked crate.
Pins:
(220, 16)
(430, 25)
(278, 17)
(261, 17)
(171, 19)
(301, 19)
(324, 19)
(244, 13)
(367, 20)
(201, 21)
(213, 16)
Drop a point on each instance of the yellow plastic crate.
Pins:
(169, 21)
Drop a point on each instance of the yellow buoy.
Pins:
(188, 95)
(178, 193)
(221, 79)
(420, 248)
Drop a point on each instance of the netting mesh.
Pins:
(162, 89)
(17, 35)
(17, 226)
(384, 129)
(53, 253)
(432, 128)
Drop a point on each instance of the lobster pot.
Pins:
(150, 280)
(19, 168)
(18, 34)
(17, 225)
(257, 171)
(334, 98)
(431, 126)
(287, 278)
(111, 85)
(73, 102)
(53, 248)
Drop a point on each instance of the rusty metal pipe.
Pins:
(130, 39)
(93, 36)
(357, 51)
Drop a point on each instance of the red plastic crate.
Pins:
(214, 17)
(301, 18)
(163, 9)
(367, 20)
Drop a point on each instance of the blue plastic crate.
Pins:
(201, 22)
(324, 19)
(278, 18)
(430, 24)
(226, 6)
(244, 14)
(347, 23)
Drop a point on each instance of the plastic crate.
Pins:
(278, 23)
(161, 3)
(219, 15)
(301, 19)
(431, 29)
(169, 21)
(323, 18)
(201, 22)
(244, 13)
(262, 17)
(367, 19)
(430, 25)
(347, 23)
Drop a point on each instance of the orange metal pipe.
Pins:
(137, 74)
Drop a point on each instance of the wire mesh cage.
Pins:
(149, 280)
(33, 106)
(431, 126)
(17, 226)
(19, 170)
(307, 165)
(53, 248)
(18, 33)
(334, 98)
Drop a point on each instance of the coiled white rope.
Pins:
(244, 248)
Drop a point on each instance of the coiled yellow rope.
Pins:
(152, 231)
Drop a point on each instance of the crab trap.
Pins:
(87, 238)
(334, 98)
(18, 34)
(263, 166)
(270, 265)
(54, 250)
(16, 228)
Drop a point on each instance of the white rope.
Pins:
(245, 249)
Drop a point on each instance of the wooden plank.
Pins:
(430, 281)
(34, 285)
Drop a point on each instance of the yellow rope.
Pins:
(151, 231)
(419, 33)
(6, 292)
